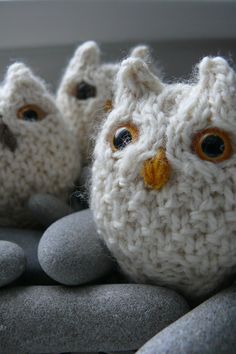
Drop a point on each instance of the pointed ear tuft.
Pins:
(19, 76)
(212, 69)
(87, 54)
(142, 52)
(17, 70)
(134, 78)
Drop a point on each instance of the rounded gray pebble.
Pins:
(28, 240)
(71, 252)
(47, 209)
(12, 262)
(44, 319)
(210, 328)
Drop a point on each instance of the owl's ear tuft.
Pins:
(142, 52)
(86, 55)
(17, 71)
(212, 69)
(134, 80)
(20, 77)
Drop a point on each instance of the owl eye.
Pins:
(31, 113)
(84, 91)
(213, 145)
(123, 136)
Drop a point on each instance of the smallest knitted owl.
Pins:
(38, 154)
(164, 177)
(85, 93)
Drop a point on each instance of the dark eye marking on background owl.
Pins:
(38, 154)
(85, 93)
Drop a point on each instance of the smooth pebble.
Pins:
(12, 262)
(71, 252)
(47, 209)
(28, 240)
(50, 319)
(210, 328)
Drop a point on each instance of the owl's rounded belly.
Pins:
(23, 175)
(191, 250)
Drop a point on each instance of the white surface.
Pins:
(37, 23)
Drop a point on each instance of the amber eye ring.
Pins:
(122, 136)
(212, 145)
(107, 107)
(31, 113)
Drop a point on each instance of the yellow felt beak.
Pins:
(156, 171)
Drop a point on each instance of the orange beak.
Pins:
(156, 171)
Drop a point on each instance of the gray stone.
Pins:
(28, 240)
(71, 252)
(47, 209)
(210, 328)
(12, 262)
(49, 319)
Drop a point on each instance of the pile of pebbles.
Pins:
(61, 292)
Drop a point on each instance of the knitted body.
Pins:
(167, 214)
(83, 107)
(37, 152)
(85, 89)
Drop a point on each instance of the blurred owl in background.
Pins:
(38, 154)
(86, 91)
(164, 177)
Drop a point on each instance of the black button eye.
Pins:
(84, 91)
(31, 113)
(123, 136)
(213, 145)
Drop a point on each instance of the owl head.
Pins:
(37, 152)
(86, 92)
(164, 177)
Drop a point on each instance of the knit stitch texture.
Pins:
(85, 115)
(182, 235)
(45, 156)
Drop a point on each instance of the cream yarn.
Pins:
(38, 154)
(182, 235)
(85, 88)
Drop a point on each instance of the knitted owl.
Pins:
(164, 177)
(38, 154)
(86, 90)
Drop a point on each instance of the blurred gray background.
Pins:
(177, 58)
(45, 33)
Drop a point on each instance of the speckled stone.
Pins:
(71, 252)
(47, 209)
(210, 329)
(12, 262)
(28, 240)
(50, 319)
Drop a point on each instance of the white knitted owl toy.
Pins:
(38, 154)
(164, 177)
(85, 93)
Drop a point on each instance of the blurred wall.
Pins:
(176, 57)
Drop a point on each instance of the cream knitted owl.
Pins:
(38, 154)
(164, 177)
(86, 91)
